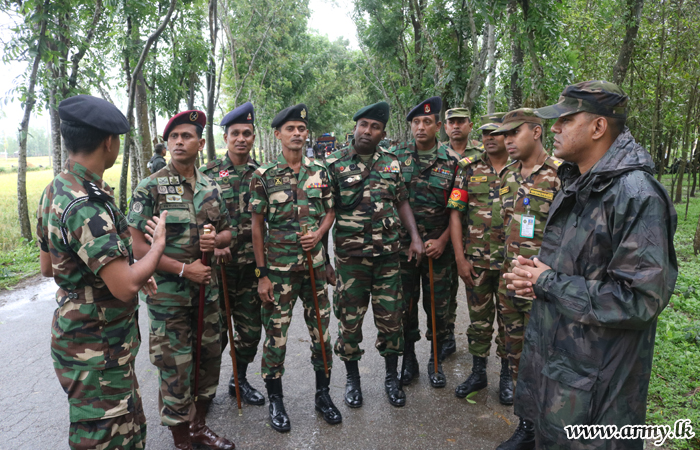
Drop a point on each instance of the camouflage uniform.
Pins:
(589, 344)
(287, 203)
(173, 311)
(429, 188)
(482, 232)
(242, 283)
(539, 189)
(94, 335)
(366, 236)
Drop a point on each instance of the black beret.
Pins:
(94, 112)
(428, 107)
(242, 114)
(378, 111)
(293, 113)
(193, 116)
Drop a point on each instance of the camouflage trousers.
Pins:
(482, 300)
(105, 408)
(412, 278)
(515, 312)
(173, 345)
(452, 306)
(277, 315)
(245, 305)
(358, 279)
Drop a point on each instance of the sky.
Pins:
(328, 17)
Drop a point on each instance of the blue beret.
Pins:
(378, 111)
(294, 113)
(242, 114)
(428, 107)
(93, 112)
(192, 116)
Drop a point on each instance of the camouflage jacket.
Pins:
(429, 188)
(80, 227)
(366, 198)
(589, 344)
(288, 202)
(476, 195)
(538, 191)
(235, 189)
(188, 211)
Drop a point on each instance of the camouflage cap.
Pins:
(490, 122)
(517, 117)
(596, 96)
(457, 113)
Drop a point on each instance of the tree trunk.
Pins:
(633, 16)
(516, 91)
(144, 130)
(55, 133)
(491, 92)
(211, 79)
(657, 101)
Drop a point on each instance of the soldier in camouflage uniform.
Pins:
(428, 170)
(477, 236)
(86, 247)
(233, 173)
(194, 203)
(369, 196)
(458, 125)
(291, 193)
(528, 186)
(606, 270)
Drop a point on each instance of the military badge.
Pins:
(408, 162)
(162, 189)
(137, 208)
(303, 113)
(426, 108)
(556, 163)
(193, 116)
(163, 181)
(174, 180)
(171, 189)
(353, 166)
(249, 117)
(504, 190)
(173, 199)
(223, 173)
(542, 194)
(278, 181)
(180, 190)
(225, 180)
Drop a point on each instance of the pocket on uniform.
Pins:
(101, 394)
(279, 203)
(569, 389)
(315, 199)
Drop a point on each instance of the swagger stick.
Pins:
(309, 260)
(200, 325)
(432, 310)
(230, 339)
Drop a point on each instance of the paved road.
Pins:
(34, 410)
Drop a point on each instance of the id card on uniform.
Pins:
(527, 226)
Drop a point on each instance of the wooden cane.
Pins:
(309, 260)
(230, 339)
(200, 325)
(432, 310)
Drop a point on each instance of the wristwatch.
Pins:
(261, 272)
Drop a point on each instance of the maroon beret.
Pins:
(194, 117)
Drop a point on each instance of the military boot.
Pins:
(249, 394)
(181, 436)
(279, 420)
(353, 391)
(505, 386)
(410, 369)
(324, 403)
(437, 379)
(396, 395)
(476, 381)
(201, 434)
(448, 347)
(523, 438)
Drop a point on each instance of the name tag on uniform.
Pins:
(527, 226)
(478, 179)
(542, 194)
(504, 190)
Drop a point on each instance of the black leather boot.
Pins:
(523, 438)
(448, 347)
(476, 381)
(437, 379)
(279, 420)
(249, 394)
(353, 391)
(324, 404)
(505, 386)
(396, 395)
(410, 369)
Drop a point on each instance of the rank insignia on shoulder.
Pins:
(481, 179)
(162, 189)
(223, 173)
(174, 180)
(173, 199)
(171, 189)
(179, 189)
(556, 162)
(163, 181)
(504, 190)
(542, 194)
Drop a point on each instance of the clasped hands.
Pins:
(523, 275)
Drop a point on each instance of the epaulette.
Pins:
(507, 168)
(336, 155)
(553, 161)
(265, 167)
(255, 163)
(464, 162)
(212, 164)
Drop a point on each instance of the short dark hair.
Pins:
(532, 127)
(615, 124)
(159, 148)
(81, 138)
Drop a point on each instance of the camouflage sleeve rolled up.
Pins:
(258, 195)
(632, 290)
